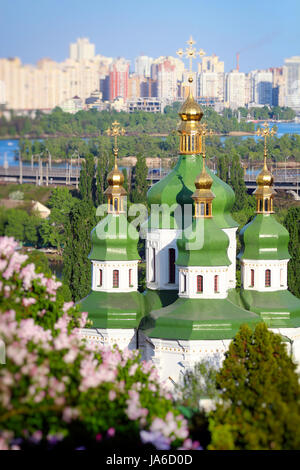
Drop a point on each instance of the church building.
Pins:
(191, 308)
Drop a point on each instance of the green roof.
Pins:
(114, 240)
(178, 186)
(278, 309)
(113, 309)
(193, 319)
(207, 246)
(264, 238)
(155, 299)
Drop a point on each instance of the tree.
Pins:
(261, 394)
(139, 193)
(86, 179)
(238, 183)
(77, 266)
(53, 231)
(104, 166)
(292, 223)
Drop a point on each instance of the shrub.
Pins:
(260, 393)
(54, 384)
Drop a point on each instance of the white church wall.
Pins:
(157, 273)
(128, 282)
(124, 338)
(208, 275)
(231, 252)
(278, 269)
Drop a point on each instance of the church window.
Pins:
(252, 278)
(266, 205)
(199, 283)
(216, 283)
(130, 277)
(171, 265)
(268, 278)
(100, 277)
(116, 204)
(207, 208)
(115, 278)
(202, 208)
(183, 283)
(153, 264)
(260, 205)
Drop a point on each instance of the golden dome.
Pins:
(190, 110)
(115, 177)
(265, 177)
(204, 180)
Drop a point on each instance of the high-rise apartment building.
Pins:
(167, 71)
(142, 66)
(278, 86)
(292, 81)
(119, 79)
(211, 85)
(211, 64)
(82, 49)
(235, 89)
(262, 87)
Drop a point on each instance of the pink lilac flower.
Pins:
(155, 438)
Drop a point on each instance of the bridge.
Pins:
(286, 179)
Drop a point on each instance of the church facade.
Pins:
(191, 308)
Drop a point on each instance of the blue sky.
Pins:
(264, 31)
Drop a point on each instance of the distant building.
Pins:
(167, 71)
(73, 105)
(82, 50)
(142, 66)
(235, 89)
(211, 84)
(94, 101)
(119, 79)
(150, 105)
(278, 91)
(211, 64)
(262, 85)
(292, 79)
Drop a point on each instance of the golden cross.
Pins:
(265, 133)
(191, 53)
(115, 131)
(204, 132)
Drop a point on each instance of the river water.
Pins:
(9, 148)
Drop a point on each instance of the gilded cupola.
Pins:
(115, 192)
(265, 192)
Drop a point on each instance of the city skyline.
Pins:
(263, 33)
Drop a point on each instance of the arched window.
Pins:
(115, 278)
(116, 204)
(268, 278)
(260, 205)
(153, 263)
(281, 278)
(202, 208)
(100, 277)
(207, 208)
(171, 265)
(199, 283)
(252, 278)
(130, 277)
(266, 205)
(183, 283)
(216, 283)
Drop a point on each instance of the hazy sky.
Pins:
(264, 31)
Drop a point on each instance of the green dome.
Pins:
(213, 245)
(264, 238)
(112, 240)
(179, 185)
